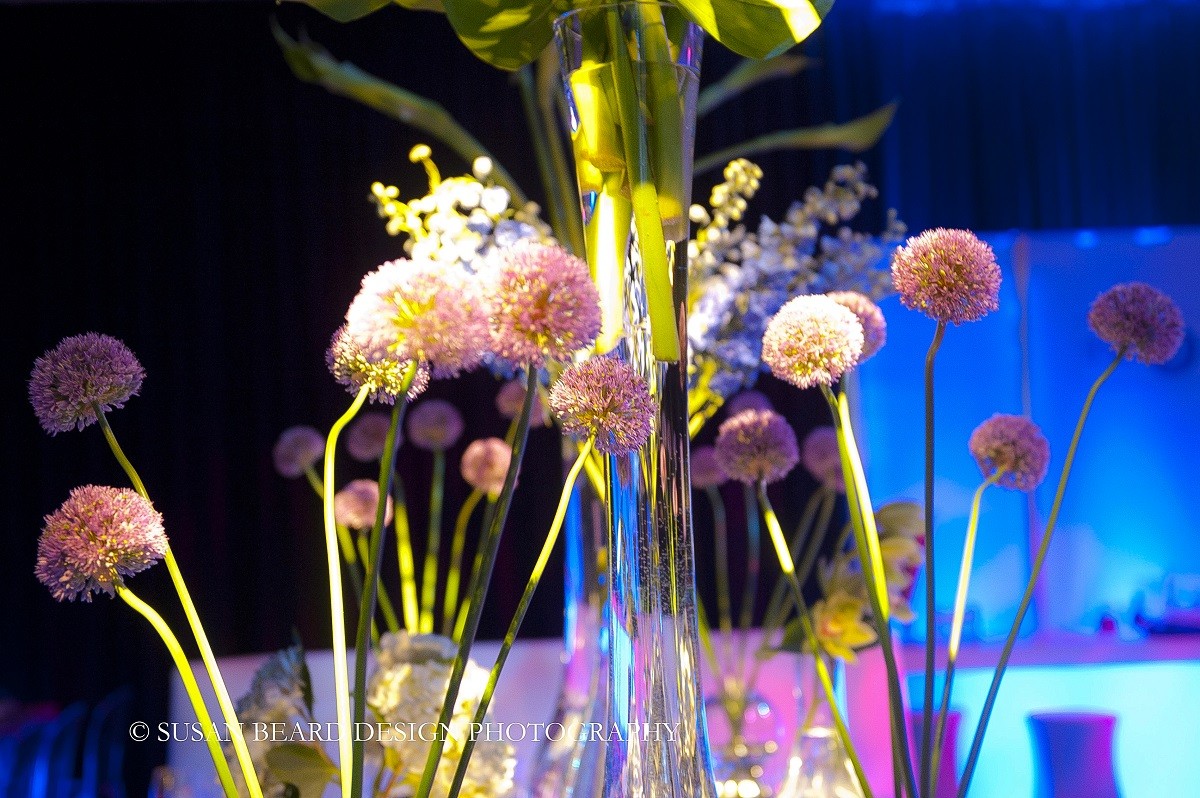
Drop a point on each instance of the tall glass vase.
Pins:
(630, 73)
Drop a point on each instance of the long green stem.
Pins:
(190, 686)
(927, 778)
(454, 574)
(477, 591)
(429, 578)
(404, 558)
(721, 568)
(1035, 572)
(519, 616)
(753, 567)
(193, 618)
(788, 567)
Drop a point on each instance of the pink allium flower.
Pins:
(435, 425)
(485, 464)
(545, 303)
(1014, 445)
(354, 506)
(604, 397)
(812, 340)
(1140, 319)
(421, 310)
(748, 399)
(757, 446)
(949, 275)
(511, 397)
(706, 468)
(98, 537)
(869, 316)
(383, 377)
(297, 450)
(367, 436)
(82, 373)
(822, 458)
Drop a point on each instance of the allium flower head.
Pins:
(354, 506)
(366, 437)
(1140, 319)
(1014, 445)
(511, 397)
(757, 446)
(604, 397)
(82, 373)
(822, 458)
(545, 303)
(421, 310)
(748, 399)
(869, 316)
(435, 425)
(383, 377)
(297, 449)
(949, 275)
(98, 537)
(812, 340)
(485, 464)
(706, 468)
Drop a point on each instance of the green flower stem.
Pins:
(607, 235)
(753, 567)
(373, 566)
(514, 627)
(866, 540)
(721, 561)
(956, 624)
(404, 558)
(429, 578)
(189, 685)
(789, 570)
(928, 779)
(595, 474)
(1031, 585)
(477, 592)
(454, 575)
(337, 611)
(193, 618)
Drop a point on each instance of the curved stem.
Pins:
(753, 566)
(1035, 572)
(454, 574)
(927, 778)
(429, 578)
(189, 685)
(721, 567)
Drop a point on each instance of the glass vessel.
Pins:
(818, 766)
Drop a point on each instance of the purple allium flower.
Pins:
(421, 310)
(812, 340)
(435, 425)
(604, 397)
(706, 469)
(354, 506)
(1014, 445)
(297, 449)
(757, 446)
(545, 303)
(511, 397)
(748, 399)
(367, 436)
(822, 458)
(98, 537)
(384, 378)
(485, 464)
(1140, 319)
(82, 373)
(949, 275)
(869, 316)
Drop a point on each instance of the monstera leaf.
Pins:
(508, 35)
(757, 28)
(350, 10)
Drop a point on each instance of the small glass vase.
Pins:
(744, 731)
(818, 766)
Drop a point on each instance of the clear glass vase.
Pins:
(630, 77)
(818, 766)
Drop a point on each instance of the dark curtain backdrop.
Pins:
(168, 181)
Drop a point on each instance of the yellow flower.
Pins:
(838, 622)
(902, 557)
(901, 519)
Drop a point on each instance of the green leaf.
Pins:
(749, 73)
(757, 28)
(350, 10)
(854, 136)
(793, 639)
(505, 34)
(305, 767)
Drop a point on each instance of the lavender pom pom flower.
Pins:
(706, 468)
(485, 464)
(1014, 446)
(367, 436)
(82, 373)
(812, 340)
(949, 275)
(546, 305)
(822, 458)
(435, 425)
(384, 377)
(748, 399)
(869, 316)
(511, 397)
(354, 506)
(606, 398)
(1139, 319)
(99, 536)
(757, 446)
(297, 450)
